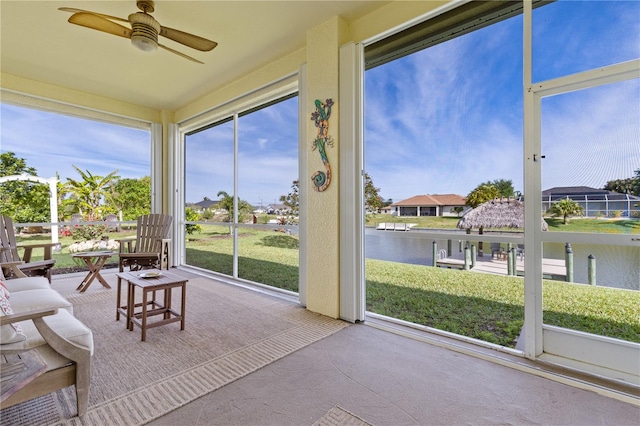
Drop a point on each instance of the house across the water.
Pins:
(595, 202)
(429, 205)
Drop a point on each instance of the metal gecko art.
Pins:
(321, 180)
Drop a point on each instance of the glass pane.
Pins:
(443, 134)
(576, 36)
(591, 169)
(269, 256)
(267, 170)
(591, 185)
(210, 247)
(208, 183)
(109, 164)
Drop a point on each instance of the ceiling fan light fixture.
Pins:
(144, 32)
(144, 43)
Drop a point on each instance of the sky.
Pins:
(439, 121)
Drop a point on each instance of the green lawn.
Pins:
(491, 307)
(486, 307)
(602, 226)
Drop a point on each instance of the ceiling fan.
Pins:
(144, 29)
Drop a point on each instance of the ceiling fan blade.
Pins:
(74, 10)
(187, 39)
(95, 22)
(179, 53)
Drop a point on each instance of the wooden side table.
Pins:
(139, 313)
(94, 267)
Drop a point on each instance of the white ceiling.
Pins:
(39, 44)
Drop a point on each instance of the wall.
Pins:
(14, 88)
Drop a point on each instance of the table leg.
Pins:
(118, 299)
(94, 272)
(167, 302)
(183, 304)
(87, 279)
(131, 301)
(144, 314)
(98, 275)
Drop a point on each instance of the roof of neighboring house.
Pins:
(433, 200)
(574, 190)
(206, 203)
(582, 191)
(277, 206)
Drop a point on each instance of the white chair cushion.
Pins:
(63, 324)
(29, 283)
(30, 300)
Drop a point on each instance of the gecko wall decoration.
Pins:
(322, 179)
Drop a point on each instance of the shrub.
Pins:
(88, 232)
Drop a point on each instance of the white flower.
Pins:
(94, 245)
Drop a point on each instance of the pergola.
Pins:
(53, 197)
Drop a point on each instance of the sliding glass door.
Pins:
(241, 212)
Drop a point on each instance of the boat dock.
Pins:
(391, 226)
(553, 269)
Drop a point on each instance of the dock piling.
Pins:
(568, 260)
(434, 254)
(467, 258)
(591, 268)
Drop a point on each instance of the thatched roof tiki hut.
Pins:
(497, 213)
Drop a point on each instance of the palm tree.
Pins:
(565, 208)
(88, 194)
(226, 203)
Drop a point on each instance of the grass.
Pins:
(491, 307)
(601, 226)
(481, 306)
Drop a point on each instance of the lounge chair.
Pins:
(50, 350)
(9, 253)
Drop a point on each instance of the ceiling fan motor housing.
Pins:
(145, 29)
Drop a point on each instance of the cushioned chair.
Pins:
(37, 323)
(9, 253)
(150, 247)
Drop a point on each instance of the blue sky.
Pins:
(439, 121)
(448, 118)
(54, 143)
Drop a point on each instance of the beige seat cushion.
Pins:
(63, 324)
(29, 283)
(30, 300)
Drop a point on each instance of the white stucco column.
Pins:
(322, 260)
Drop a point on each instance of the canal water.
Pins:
(616, 266)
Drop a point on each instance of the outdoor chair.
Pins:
(111, 220)
(150, 247)
(44, 347)
(9, 253)
(495, 250)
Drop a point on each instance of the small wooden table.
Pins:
(18, 370)
(162, 281)
(94, 267)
